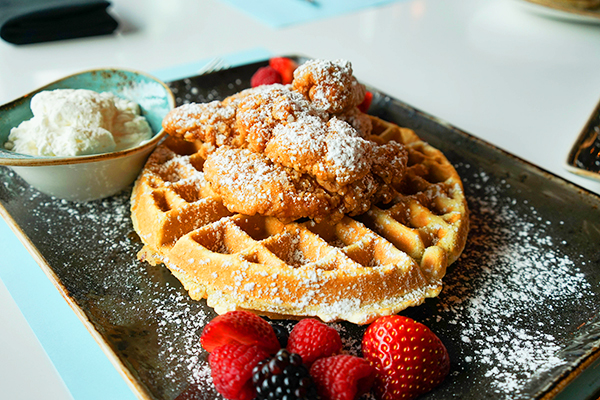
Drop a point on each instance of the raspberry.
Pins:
(265, 76)
(312, 339)
(241, 327)
(231, 369)
(342, 377)
(283, 377)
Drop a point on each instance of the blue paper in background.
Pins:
(280, 13)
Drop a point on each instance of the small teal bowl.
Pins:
(91, 177)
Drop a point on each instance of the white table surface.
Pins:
(496, 69)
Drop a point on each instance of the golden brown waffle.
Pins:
(375, 264)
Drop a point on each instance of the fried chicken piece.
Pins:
(332, 152)
(211, 123)
(247, 118)
(358, 197)
(250, 183)
(294, 151)
(389, 162)
(329, 85)
(358, 120)
(267, 107)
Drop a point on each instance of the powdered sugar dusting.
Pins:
(141, 311)
(502, 310)
(177, 314)
(501, 313)
(502, 303)
(211, 112)
(505, 296)
(329, 84)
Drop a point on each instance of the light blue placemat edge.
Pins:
(78, 359)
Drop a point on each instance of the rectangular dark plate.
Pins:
(584, 157)
(518, 312)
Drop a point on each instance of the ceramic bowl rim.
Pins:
(32, 161)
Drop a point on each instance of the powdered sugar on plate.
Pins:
(505, 295)
(500, 314)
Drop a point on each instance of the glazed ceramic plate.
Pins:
(584, 157)
(553, 9)
(518, 312)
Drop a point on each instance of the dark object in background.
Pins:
(584, 157)
(35, 21)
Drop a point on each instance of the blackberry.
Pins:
(283, 377)
(282, 334)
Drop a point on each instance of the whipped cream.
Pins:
(75, 122)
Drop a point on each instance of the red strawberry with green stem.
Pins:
(409, 359)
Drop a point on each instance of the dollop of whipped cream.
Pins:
(75, 122)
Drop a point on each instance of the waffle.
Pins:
(378, 263)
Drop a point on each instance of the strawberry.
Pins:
(285, 67)
(312, 339)
(265, 76)
(342, 377)
(366, 103)
(239, 327)
(408, 358)
(231, 370)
